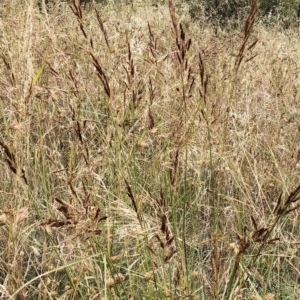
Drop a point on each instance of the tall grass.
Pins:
(146, 156)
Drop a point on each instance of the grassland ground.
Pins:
(146, 155)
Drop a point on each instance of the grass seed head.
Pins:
(110, 282)
(269, 296)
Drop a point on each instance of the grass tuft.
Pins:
(145, 155)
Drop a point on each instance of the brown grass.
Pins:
(147, 156)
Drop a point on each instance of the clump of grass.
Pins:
(146, 156)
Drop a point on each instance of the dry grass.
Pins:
(144, 156)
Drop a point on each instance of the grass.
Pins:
(147, 156)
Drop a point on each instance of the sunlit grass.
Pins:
(146, 156)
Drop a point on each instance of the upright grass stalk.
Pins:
(187, 80)
(246, 45)
(121, 150)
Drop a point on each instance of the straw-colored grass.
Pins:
(147, 156)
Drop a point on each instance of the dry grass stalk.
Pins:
(88, 99)
(249, 24)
